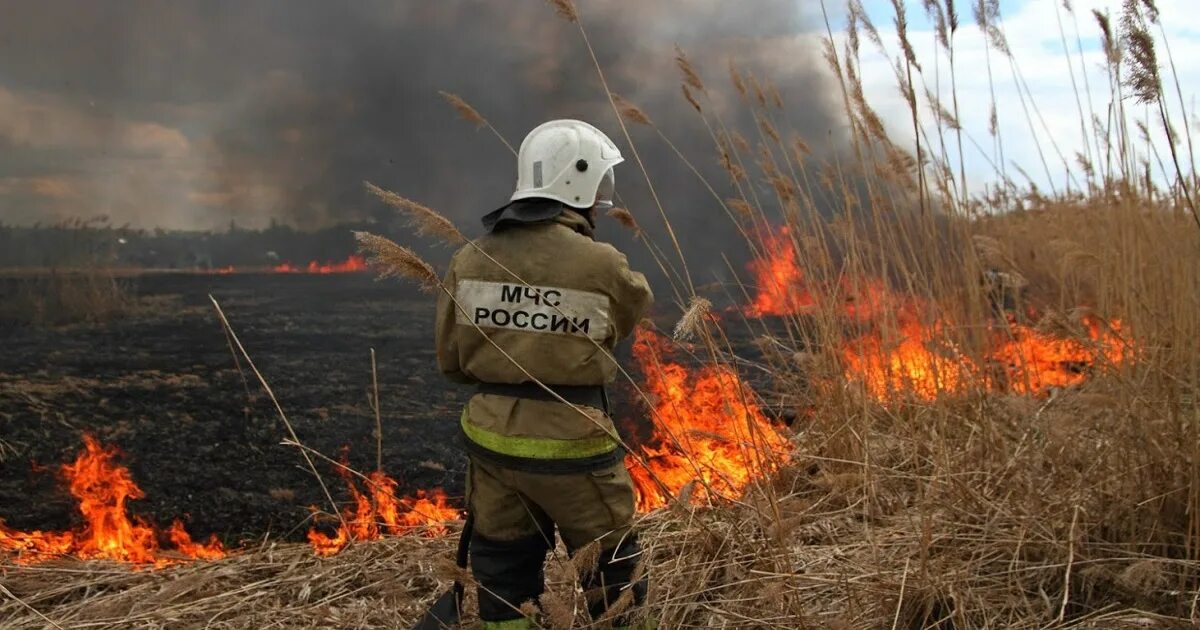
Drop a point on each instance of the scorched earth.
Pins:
(205, 447)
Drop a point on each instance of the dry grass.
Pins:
(689, 325)
(281, 586)
(820, 554)
(65, 297)
(631, 112)
(565, 9)
(472, 115)
(75, 284)
(980, 508)
(464, 109)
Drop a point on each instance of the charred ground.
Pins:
(161, 384)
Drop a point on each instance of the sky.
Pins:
(196, 113)
(1032, 28)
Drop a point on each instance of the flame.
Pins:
(868, 299)
(1033, 361)
(211, 550)
(913, 358)
(911, 364)
(352, 264)
(102, 488)
(780, 281)
(782, 289)
(709, 434)
(1019, 359)
(378, 511)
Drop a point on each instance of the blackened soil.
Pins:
(162, 386)
(205, 445)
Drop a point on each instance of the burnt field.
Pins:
(162, 386)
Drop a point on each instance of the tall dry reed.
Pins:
(978, 506)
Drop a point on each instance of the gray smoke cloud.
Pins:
(191, 114)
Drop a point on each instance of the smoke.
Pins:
(194, 114)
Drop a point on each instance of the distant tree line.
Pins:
(95, 242)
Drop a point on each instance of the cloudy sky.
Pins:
(1032, 30)
(192, 114)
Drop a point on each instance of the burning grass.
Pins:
(826, 544)
(377, 511)
(997, 403)
(102, 487)
(711, 441)
(352, 264)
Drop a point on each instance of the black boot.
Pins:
(510, 573)
(611, 579)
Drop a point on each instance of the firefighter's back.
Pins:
(547, 295)
(529, 316)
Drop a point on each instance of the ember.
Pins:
(102, 488)
(350, 265)
(378, 511)
(709, 432)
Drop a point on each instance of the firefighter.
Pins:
(537, 307)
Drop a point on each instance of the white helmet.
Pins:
(568, 161)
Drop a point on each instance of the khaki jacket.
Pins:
(556, 302)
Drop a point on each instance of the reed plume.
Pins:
(741, 207)
(689, 325)
(625, 218)
(425, 220)
(565, 10)
(630, 112)
(472, 115)
(395, 261)
(691, 99)
(690, 76)
(464, 109)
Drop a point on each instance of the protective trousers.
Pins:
(515, 516)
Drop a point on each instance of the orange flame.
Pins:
(708, 431)
(1019, 359)
(352, 264)
(1033, 361)
(916, 360)
(780, 281)
(911, 364)
(103, 488)
(379, 511)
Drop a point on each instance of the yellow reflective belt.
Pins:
(536, 448)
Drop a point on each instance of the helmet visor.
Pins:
(604, 192)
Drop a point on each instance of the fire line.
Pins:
(377, 512)
(709, 433)
(911, 358)
(102, 488)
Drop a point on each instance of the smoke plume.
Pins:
(194, 114)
